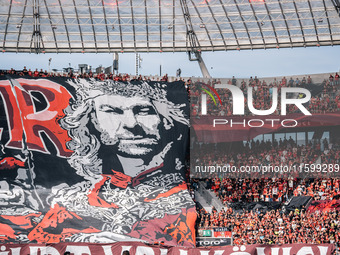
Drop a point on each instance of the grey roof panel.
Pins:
(159, 25)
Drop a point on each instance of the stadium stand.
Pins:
(90, 74)
(324, 96)
(254, 208)
(259, 209)
(276, 227)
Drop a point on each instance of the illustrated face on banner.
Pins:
(130, 124)
(134, 127)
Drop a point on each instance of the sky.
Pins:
(221, 64)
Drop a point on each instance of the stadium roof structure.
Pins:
(165, 25)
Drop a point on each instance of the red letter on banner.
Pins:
(33, 122)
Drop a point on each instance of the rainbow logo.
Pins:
(211, 95)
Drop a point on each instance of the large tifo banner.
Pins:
(142, 249)
(93, 161)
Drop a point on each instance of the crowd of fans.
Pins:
(276, 153)
(334, 80)
(252, 190)
(231, 190)
(328, 100)
(276, 227)
(90, 74)
(324, 103)
(319, 189)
